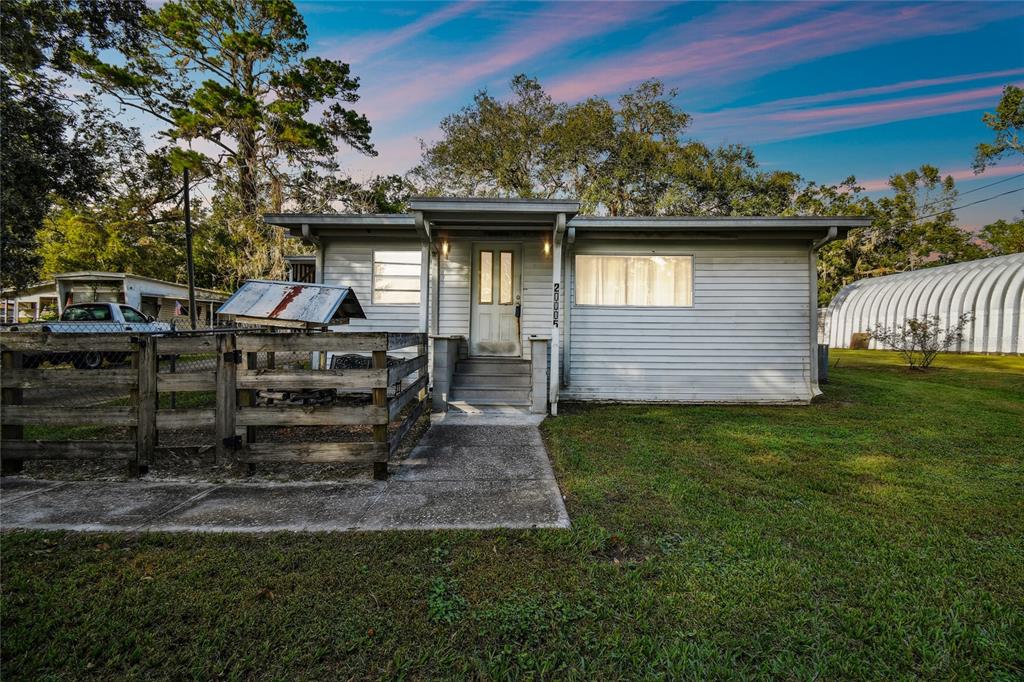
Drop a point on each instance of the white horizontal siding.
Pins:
(349, 262)
(745, 339)
(453, 314)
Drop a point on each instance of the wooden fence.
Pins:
(235, 381)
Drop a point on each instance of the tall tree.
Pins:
(496, 148)
(624, 158)
(913, 227)
(1007, 122)
(232, 77)
(45, 155)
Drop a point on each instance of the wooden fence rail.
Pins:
(237, 381)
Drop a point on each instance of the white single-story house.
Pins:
(166, 301)
(683, 310)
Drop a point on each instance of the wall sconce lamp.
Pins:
(547, 247)
(444, 249)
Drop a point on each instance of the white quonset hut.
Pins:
(990, 289)
(685, 309)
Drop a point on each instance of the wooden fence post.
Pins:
(380, 399)
(247, 398)
(224, 424)
(135, 467)
(11, 396)
(146, 403)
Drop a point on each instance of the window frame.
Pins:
(373, 276)
(624, 306)
(142, 315)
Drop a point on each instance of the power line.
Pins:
(979, 201)
(976, 189)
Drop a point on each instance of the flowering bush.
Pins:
(920, 339)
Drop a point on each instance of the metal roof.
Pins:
(89, 275)
(316, 304)
(690, 222)
(990, 289)
(458, 213)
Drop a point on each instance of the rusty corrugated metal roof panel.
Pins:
(293, 302)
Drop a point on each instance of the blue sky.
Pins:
(824, 89)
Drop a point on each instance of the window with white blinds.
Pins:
(665, 281)
(396, 277)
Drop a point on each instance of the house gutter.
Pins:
(812, 318)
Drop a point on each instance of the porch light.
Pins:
(444, 249)
(547, 247)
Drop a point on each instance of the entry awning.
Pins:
(476, 213)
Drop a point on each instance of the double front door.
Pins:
(497, 278)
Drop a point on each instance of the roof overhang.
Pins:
(302, 225)
(716, 227)
(455, 213)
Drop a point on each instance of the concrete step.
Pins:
(493, 366)
(497, 380)
(492, 395)
(476, 404)
(459, 411)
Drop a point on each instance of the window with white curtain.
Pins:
(665, 281)
(396, 277)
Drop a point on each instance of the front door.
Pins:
(497, 273)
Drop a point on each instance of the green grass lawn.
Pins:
(876, 534)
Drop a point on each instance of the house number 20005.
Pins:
(554, 316)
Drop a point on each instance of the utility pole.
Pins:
(188, 258)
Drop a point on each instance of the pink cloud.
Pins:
(915, 107)
(958, 174)
(539, 34)
(782, 120)
(743, 41)
(901, 87)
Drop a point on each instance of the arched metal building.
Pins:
(991, 289)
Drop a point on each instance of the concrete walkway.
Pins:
(469, 471)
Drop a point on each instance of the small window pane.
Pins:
(396, 297)
(505, 278)
(486, 277)
(408, 257)
(396, 277)
(393, 270)
(663, 281)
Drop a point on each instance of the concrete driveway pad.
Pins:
(276, 507)
(464, 474)
(98, 505)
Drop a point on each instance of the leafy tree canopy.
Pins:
(912, 228)
(47, 153)
(1007, 122)
(1004, 236)
(624, 158)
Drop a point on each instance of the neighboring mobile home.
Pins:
(626, 308)
(166, 301)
